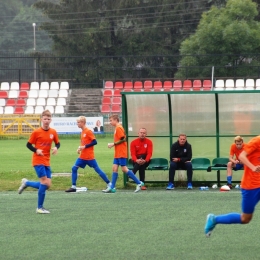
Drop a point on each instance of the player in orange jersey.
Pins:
(42, 139)
(120, 158)
(235, 150)
(86, 151)
(250, 189)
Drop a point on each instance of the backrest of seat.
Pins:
(207, 84)
(13, 94)
(148, 84)
(109, 84)
(167, 84)
(240, 83)
(50, 108)
(51, 101)
(21, 102)
(106, 100)
(116, 108)
(8, 110)
(200, 162)
(2, 102)
(54, 85)
(119, 85)
(128, 85)
(23, 94)
(3, 94)
(31, 102)
(59, 110)
(45, 85)
(116, 100)
(105, 109)
(187, 84)
(29, 110)
(64, 85)
(250, 83)
(14, 86)
(138, 85)
(157, 84)
(25, 86)
(177, 84)
(197, 84)
(219, 83)
(53, 93)
(230, 83)
(19, 110)
(220, 160)
(117, 93)
(35, 85)
(38, 109)
(33, 93)
(5, 86)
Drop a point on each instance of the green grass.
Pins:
(153, 224)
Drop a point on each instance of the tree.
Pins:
(231, 32)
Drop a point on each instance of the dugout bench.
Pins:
(198, 164)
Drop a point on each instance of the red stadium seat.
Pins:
(117, 93)
(148, 85)
(11, 102)
(108, 93)
(116, 109)
(116, 100)
(167, 85)
(157, 85)
(187, 85)
(106, 101)
(21, 102)
(25, 86)
(128, 85)
(177, 85)
(3, 94)
(105, 109)
(109, 84)
(19, 110)
(23, 94)
(196, 84)
(207, 84)
(138, 85)
(119, 85)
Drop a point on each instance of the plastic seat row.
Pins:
(34, 85)
(239, 84)
(110, 108)
(113, 100)
(46, 101)
(148, 85)
(31, 110)
(34, 93)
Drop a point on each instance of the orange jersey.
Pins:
(250, 179)
(120, 149)
(235, 151)
(87, 137)
(42, 139)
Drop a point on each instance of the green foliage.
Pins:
(229, 30)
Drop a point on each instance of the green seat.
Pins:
(200, 163)
(158, 164)
(130, 164)
(219, 160)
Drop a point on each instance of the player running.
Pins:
(250, 189)
(86, 151)
(120, 158)
(42, 139)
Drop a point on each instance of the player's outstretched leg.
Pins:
(210, 224)
(25, 183)
(23, 186)
(103, 176)
(111, 187)
(74, 177)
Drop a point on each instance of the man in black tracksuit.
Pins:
(180, 158)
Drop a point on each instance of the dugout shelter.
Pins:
(210, 119)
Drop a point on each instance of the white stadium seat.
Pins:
(219, 84)
(29, 110)
(257, 84)
(5, 86)
(2, 102)
(9, 110)
(64, 85)
(230, 85)
(54, 85)
(51, 102)
(45, 85)
(38, 109)
(43, 93)
(61, 102)
(240, 84)
(50, 108)
(250, 84)
(15, 86)
(35, 85)
(1, 110)
(41, 102)
(59, 110)
(31, 102)
(63, 93)
(13, 94)
(33, 93)
(53, 93)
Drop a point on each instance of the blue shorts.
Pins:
(120, 161)
(82, 163)
(249, 200)
(238, 166)
(42, 170)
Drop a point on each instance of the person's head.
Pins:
(114, 120)
(238, 140)
(46, 119)
(182, 139)
(81, 121)
(98, 123)
(142, 133)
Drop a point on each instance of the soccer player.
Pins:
(250, 189)
(86, 151)
(141, 152)
(42, 139)
(235, 150)
(120, 158)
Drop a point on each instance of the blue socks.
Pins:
(114, 179)
(41, 195)
(102, 174)
(229, 179)
(131, 175)
(33, 184)
(231, 218)
(74, 175)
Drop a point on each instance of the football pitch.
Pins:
(152, 224)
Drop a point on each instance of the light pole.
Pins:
(34, 48)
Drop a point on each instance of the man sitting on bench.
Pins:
(180, 158)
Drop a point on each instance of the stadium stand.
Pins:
(41, 101)
(63, 93)
(38, 109)
(33, 93)
(61, 102)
